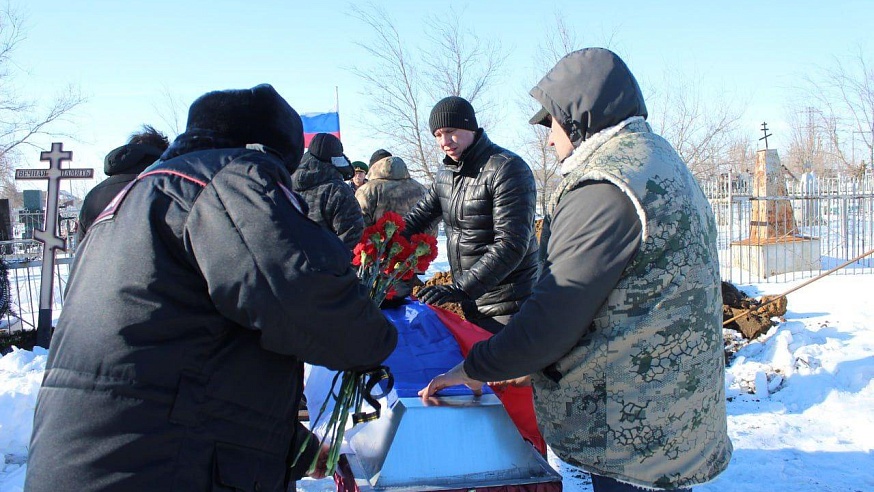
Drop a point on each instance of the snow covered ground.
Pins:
(800, 400)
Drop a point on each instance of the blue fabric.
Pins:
(425, 349)
(321, 122)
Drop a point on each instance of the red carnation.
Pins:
(391, 224)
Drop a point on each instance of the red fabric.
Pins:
(517, 400)
(308, 137)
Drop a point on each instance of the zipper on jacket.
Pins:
(457, 208)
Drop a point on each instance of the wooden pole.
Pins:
(814, 279)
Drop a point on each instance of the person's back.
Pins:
(121, 165)
(177, 361)
(331, 202)
(389, 189)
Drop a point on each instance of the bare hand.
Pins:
(520, 381)
(454, 377)
(321, 467)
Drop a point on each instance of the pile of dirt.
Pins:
(442, 278)
(755, 322)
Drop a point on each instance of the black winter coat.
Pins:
(331, 201)
(121, 166)
(177, 360)
(487, 204)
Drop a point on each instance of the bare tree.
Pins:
(811, 142)
(843, 105)
(405, 80)
(543, 162)
(560, 40)
(740, 157)
(172, 111)
(536, 149)
(701, 129)
(22, 119)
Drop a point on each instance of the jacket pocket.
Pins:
(247, 470)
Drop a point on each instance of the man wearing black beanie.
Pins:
(485, 196)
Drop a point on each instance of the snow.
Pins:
(800, 399)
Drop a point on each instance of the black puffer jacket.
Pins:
(331, 201)
(121, 165)
(182, 370)
(487, 204)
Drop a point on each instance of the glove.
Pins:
(441, 294)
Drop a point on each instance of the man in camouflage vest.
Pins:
(622, 335)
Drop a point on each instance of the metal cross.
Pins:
(765, 131)
(48, 236)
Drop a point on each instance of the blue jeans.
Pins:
(607, 484)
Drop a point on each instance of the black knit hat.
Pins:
(251, 116)
(324, 146)
(453, 112)
(379, 155)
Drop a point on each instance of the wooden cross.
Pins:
(48, 236)
(765, 131)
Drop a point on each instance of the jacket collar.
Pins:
(581, 154)
(471, 156)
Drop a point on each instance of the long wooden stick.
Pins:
(793, 289)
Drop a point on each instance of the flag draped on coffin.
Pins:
(431, 341)
(320, 123)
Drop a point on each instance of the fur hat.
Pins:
(453, 112)
(378, 155)
(251, 116)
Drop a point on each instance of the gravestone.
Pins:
(774, 245)
(49, 235)
(5, 220)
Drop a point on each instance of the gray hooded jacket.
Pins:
(622, 334)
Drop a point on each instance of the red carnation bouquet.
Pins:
(384, 259)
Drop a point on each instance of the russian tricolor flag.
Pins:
(320, 123)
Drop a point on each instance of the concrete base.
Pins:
(775, 256)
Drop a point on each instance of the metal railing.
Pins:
(833, 222)
(23, 259)
(838, 213)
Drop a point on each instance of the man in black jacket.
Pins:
(177, 363)
(121, 166)
(486, 197)
(331, 202)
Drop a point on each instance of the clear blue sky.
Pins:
(125, 55)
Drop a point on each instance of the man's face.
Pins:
(358, 178)
(454, 141)
(559, 139)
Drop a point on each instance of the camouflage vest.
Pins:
(642, 398)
